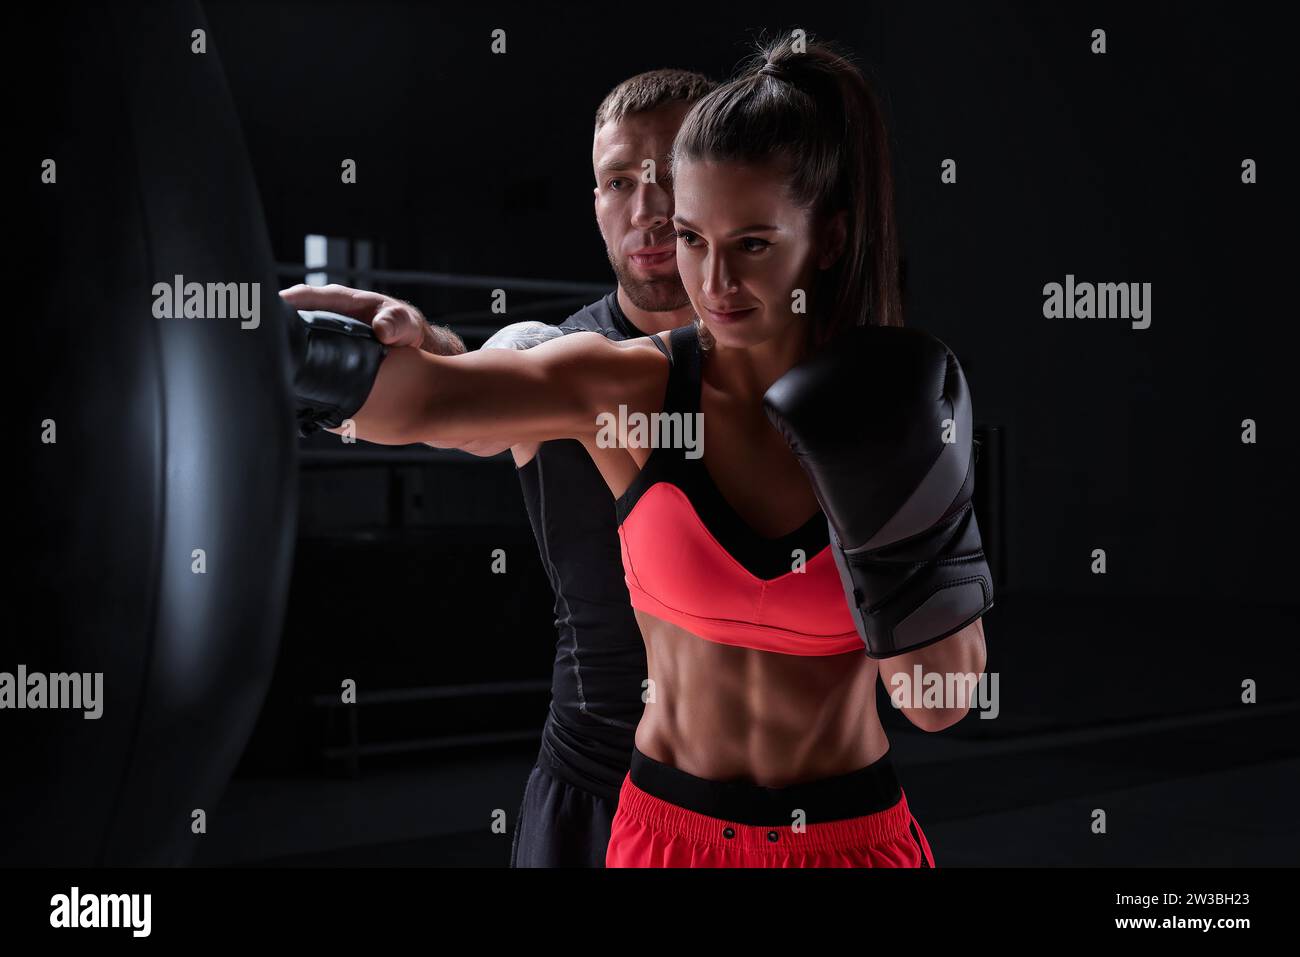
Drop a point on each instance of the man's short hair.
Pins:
(651, 90)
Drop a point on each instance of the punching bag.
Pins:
(158, 503)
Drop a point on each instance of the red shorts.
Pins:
(651, 831)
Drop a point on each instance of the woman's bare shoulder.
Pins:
(621, 354)
(631, 372)
(597, 342)
(643, 342)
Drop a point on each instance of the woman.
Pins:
(760, 742)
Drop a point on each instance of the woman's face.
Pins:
(744, 249)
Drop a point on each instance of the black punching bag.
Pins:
(158, 503)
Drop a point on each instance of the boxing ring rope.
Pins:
(415, 277)
(353, 750)
(565, 296)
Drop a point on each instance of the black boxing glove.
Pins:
(335, 360)
(882, 423)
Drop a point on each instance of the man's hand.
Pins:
(395, 322)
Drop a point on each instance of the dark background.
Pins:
(1121, 168)
(1119, 691)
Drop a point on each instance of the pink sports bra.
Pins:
(689, 559)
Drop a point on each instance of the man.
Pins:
(596, 685)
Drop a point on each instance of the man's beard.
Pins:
(653, 295)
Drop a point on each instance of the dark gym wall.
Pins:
(1116, 168)
(469, 162)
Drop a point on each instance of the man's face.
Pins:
(635, 217)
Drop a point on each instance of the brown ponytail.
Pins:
(814, 113)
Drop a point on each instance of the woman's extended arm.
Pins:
(553, 391)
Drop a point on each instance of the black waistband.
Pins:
(857, 793)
